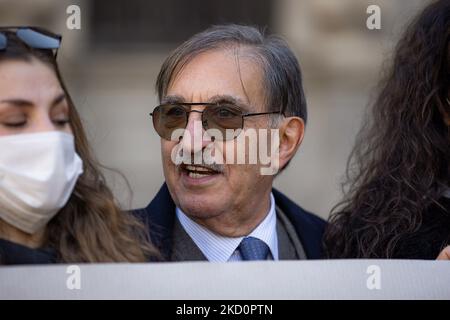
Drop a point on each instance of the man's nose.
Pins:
(193, 140)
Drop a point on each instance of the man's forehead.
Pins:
(214, 75)
(174, 98)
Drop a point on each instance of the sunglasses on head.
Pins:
(33, 37)
(219, 116)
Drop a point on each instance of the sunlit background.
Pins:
(110, 67)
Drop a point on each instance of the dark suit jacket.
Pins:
(159, 216)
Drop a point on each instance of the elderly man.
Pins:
(217, 87)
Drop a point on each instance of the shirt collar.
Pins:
(220, 249)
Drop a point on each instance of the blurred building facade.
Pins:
(111, 64)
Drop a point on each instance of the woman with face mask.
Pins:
(54, 203)
(398, 201)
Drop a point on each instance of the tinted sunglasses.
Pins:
(220, 116)
(34, 37)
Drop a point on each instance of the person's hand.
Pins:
(445, 254)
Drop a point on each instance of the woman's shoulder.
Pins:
(12, 253)
(432, 235)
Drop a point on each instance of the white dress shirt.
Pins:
(217, 248)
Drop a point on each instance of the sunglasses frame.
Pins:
(40, 30)
(204, 121)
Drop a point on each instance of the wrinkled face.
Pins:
(31, 99)
(234, 189)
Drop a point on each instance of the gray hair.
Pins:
(282, 75)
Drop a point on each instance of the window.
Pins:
(120, 24)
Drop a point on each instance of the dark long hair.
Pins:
(91, 227)
(400, 163)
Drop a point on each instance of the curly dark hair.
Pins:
(400, 163)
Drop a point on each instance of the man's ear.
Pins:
(291, 132)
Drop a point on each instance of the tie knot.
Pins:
(253, 249)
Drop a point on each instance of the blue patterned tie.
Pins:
(253, 249)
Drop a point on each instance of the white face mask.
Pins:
(38, 173)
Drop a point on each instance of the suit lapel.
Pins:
(289, 244)
(184, 248)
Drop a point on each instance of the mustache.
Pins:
(213, 167)
(200, 158)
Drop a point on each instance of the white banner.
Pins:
(325, 279)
